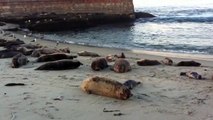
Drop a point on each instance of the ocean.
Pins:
(179, 29)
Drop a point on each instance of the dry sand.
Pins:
(164, 95)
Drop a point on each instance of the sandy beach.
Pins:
(163, 94)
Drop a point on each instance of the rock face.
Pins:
(51, 15)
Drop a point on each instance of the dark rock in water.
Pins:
(60, 65)
(147, 62)
(130, 84)
(189, 63)
(99, 64)
(54, 57)
(143, 15)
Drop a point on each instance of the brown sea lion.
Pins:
(36, 53)
(51, 51)
(11, 43)
(121, 66)
(8, 53)
(54, 57)
(105, 87)
(60, 65)
(130, 84)
(19, 60)
(99, 64)
(147, 62)
(88, 54)
(192, 75)
(31, 46)
(189, 63)
(167, 61)
(112, 58)
(23, 50)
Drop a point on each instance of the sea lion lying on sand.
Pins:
(19, 60)
(60, 65)
(54, 57)
(147, 62)
(8, 53)
(192, 75)
(189, 63)
(121, 66)
(167, 61)
(112, 58)
(23, 50)
(31, 46)
(105, 87)
(39, 52)
(11, 43)
(130, 84)
(99, 64)
(88, 54)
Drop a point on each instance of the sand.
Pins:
(163, 95)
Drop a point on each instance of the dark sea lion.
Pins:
(130, 84)
(11, 43)
(189, 63)
(23, 50)
(60, 65)
(8, 53)
(54, 57)
(192, 75)
(105, 87)
(147, 62)
(99, 64)
(2, 42)
(19, 60)
(31, 46)
(52, 51)
(121, 66)
(88, 54)
(167, 61)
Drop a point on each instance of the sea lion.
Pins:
(2, 42)
(99, 64)
(36, 53)
(112, 58)
(192, 75)
(167, 61)
(130, 84)
(19, 60)
(88, 54)
(105, 87)
(54, 57)
(189, 63)
(60, 65)
(147, 62)
(121, 66)
(31, 46)
(11, 43)
(8, 53)
(23, 50)
(51, 51)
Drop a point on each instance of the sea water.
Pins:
(182, 29)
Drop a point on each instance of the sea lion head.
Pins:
(124, 93)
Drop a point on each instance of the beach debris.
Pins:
(167, 61)
(189, 63)
(105, 87)
(147, 62)
(88, 54)
(54, 57)
(59, 98)
(14, 84)
(192, 75)
(60, 65)
(19, 60)
(105, 110)
(121, 66)
(13, 116)
(130, 84)
(112, 58)
(99, 64)
(34, 40)
(118, 114)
